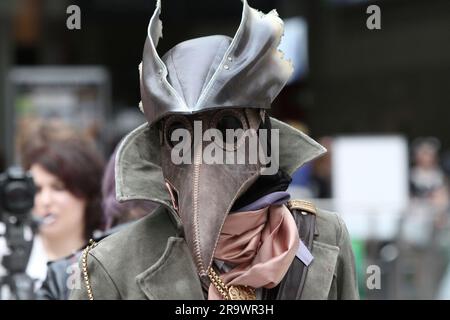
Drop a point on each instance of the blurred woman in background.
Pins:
(67, 173)
(116, 215)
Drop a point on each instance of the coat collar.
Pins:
(138, 163)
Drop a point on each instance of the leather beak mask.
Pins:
(203, 193)
(214, 82)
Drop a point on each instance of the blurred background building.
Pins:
(373, 97)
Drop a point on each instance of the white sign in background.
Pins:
(370, 184)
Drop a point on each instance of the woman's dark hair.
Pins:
(77, 163)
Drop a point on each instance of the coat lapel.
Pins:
(173, 276)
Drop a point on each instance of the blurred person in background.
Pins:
(428, 182)
(427, 178)
(425, 223)
(67, 173)
(58, 282)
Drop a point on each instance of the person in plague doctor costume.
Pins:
(223, 230)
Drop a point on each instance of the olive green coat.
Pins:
(150, 259)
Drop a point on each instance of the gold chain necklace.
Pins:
(91, 245)
(231, 292)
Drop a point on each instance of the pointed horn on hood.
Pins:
(253, 71)
(156, 92)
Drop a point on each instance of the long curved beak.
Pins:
(207, 195)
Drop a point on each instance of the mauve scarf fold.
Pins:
(261, 246)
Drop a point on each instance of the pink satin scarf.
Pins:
(260, 244)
